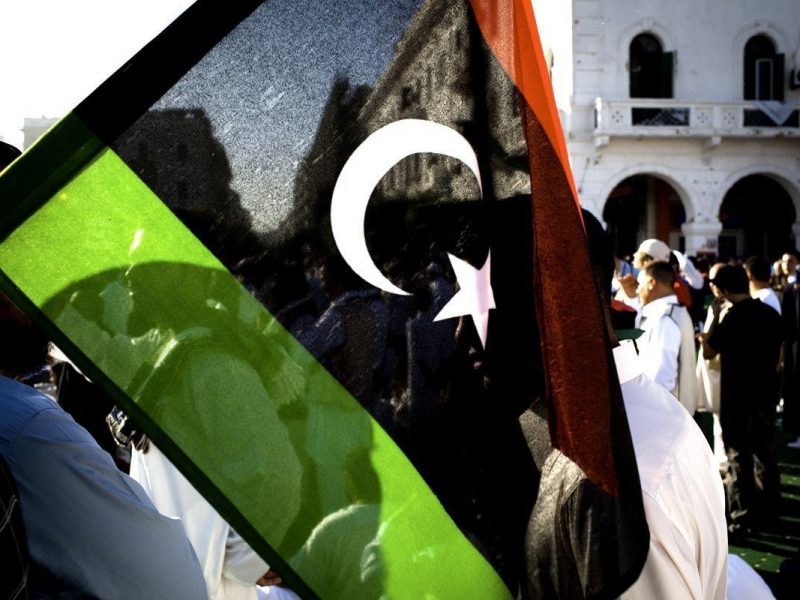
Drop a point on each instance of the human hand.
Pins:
(716, 306)
(270, 578)
(628, 283)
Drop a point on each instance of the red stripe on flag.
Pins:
(579, 372)
(574, 338)
(509, 28)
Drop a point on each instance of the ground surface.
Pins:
(769, 548)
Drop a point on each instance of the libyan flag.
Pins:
(329, 257)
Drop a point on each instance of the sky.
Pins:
(54, 53)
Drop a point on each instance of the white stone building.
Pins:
(682, 121)
(34, 128)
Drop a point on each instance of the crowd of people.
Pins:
(90, 508)
(722, 337)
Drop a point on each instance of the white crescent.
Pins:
(363, 171)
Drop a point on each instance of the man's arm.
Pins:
(241, 563)
(690, 273)
(629, 284)
(713, 336)
(709, 352)
(91, 525)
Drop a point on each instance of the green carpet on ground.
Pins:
(766, 548)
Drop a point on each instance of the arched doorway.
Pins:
(757, 215)
(642, 207)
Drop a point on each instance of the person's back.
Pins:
(682, 493)
(749, 345)
(16, 578)
(667, 346)
(90, 529)
(748, 342)
(685, 390)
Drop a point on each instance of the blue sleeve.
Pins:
(91, 525)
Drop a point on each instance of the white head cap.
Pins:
(655, 248)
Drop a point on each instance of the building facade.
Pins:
(683, 120)
(34, 128)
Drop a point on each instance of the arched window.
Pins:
(650, 68)
(763, 70)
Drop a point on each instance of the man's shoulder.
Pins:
(679, 314)
(19, 404)
(744, 310)
(758, 310)
(671, 318)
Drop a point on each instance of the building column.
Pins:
(651, 210)
(796, 234)
(702, 237)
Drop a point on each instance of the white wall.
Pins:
(708, 37)
(554, 20)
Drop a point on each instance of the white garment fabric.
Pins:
(768, 297)
(667, 349)
(708, 378)
(230, 566)
(690, 273)
(744, 583)
(708, 387)
(708, 371)
(275, 592)
(682, 493)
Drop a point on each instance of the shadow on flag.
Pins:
(369, 397)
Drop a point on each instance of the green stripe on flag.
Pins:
(234, 400)
(48, 164)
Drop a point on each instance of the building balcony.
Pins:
(670, 118)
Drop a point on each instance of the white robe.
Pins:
(230, 566)
(682, 493)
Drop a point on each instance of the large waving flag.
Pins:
(327, 254)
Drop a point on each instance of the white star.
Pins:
(474, 298)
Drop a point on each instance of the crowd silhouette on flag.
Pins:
(255, 419)
(735, 380)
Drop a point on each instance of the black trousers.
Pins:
(749, 437)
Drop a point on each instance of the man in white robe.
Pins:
(681, 489)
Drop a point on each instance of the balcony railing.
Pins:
(637, 117)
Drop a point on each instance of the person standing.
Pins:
(748, 342)
(90, 530)
(666, 348)
(708, 371)
(682, 493)
(687, 277)
(789, 268)
(790, 313)
(758, 272)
